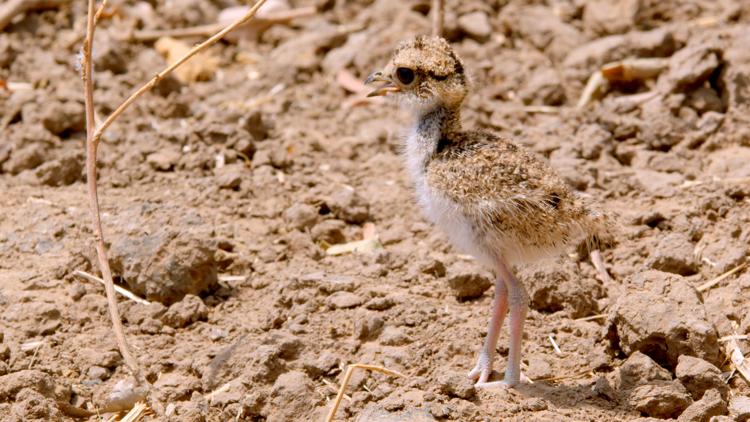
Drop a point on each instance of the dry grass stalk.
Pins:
(601, 269)
(93, 136)
(136, 414)
(734, 353)
(554, 344)
(711, 283)
(438, 17)
(592, 317)
(127, 293)
(348, 375)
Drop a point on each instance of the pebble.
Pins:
(674, 254)
(639, 369)
(456, 384)
(704, 409)
(697, 376)
(637, 319)
(346, 204)
(660, 399)
(739, 408)
(185, 312)
(476, 25)
(97, 373)
(466, 283)
(301, 216)
(164, 160)
(344, 300)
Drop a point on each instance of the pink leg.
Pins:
(483, 369)
(518, 302)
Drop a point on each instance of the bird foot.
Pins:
(483, 370)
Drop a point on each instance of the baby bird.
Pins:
(494, 199)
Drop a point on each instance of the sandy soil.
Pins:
(220, 198)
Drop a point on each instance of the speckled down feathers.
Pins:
(494, 199)
(515, 202)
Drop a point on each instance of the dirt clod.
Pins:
(710, 405)
(739, 408)
(660, 399)
(662, 316)
(188, 310)
(466, 283)
(697, 376)
(166, 264)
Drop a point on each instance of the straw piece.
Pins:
(127, 293)
(711, 283)
(348, 375)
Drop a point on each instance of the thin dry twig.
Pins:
(124, 292)
(93, 136)
(554, 344)
(592, 317)
(438, 17)
(347, 376)
(91, 146)
(711, 283)
(159, 76)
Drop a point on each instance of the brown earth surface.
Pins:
(220, 198)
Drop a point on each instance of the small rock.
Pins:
(466, 284)
(291, 397)
(329, 231)
(163, 160)
(639, 369)
(166, 262)
(185, 312)
(369, 327)
(705, 99)
(660, 399)
(543, 87)
(457, 385)
(691, 66)
(31, 405)
(394, 413)
(704, 409)
(739, 408)
(606, 17)
(41, 382)
(4, 352)
(697, 376)
(658, 183)
(27, 157)
(59, 117)
(348, 205)
(97, 373)
(301, 216)
(343, 300)
(552, 289)
(476, 25)
(674, 254)
(325, 363)
(380, 303)
(230, 177)
(662, 315)
(60, 172)
(394, 336)
(432, 266)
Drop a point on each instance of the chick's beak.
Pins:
(387, 87)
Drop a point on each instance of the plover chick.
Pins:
(493, 198)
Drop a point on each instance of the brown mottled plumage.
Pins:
(494, 199)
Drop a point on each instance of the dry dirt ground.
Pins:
(220, 198)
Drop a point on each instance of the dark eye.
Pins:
(405, 75)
